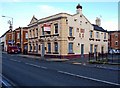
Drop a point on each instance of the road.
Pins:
(30, 72)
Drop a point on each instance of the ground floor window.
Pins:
(95, 48)
(25, 46)
(49, 47)
(36, 47)
(56, 47)
(70, 48)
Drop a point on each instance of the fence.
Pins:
(105, 57)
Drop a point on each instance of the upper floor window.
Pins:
(18, 35)
(70, 31)
(97, 34)
(43, 30)
(56, 28)
(33, 33)
(37, 31)
(91, 34)
(26, 35)
(104, 35)
(116, 35)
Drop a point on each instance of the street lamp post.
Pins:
(11, 26)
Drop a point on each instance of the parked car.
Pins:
(13, 49)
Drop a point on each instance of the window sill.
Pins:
(91, 39)
(71, 53)
(55, 53)
(48, 52)
(97, 39)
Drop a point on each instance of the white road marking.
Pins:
(36, 65)
(89, 78)
(43, 67)
(15, 60)
(32, 65)
(6, 84)
(6, 81)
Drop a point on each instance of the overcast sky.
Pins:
(22, 12)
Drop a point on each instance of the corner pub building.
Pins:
(66, 36)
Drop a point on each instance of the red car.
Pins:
(13, 49)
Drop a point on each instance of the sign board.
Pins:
(46, 27)
(10, 41)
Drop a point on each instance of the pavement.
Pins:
(33, 72)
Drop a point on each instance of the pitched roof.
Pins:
(34, 19)
(114, 31)
(97, 28)
(5, 33)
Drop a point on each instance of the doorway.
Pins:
(82, 50)
(42, 50)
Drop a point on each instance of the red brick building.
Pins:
(114, 40)
(21, 37)
(9, 38)
(18, 37)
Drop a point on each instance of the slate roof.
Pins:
(97, 28)
(114, 31)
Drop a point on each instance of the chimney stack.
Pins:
(98, 21)
(79, 9)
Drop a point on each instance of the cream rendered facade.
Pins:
(72, 38)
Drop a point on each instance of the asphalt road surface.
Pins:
(22, 71)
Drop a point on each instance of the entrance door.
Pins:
(95, 49)
(102, 49)
(42, 50)
(82, 50)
